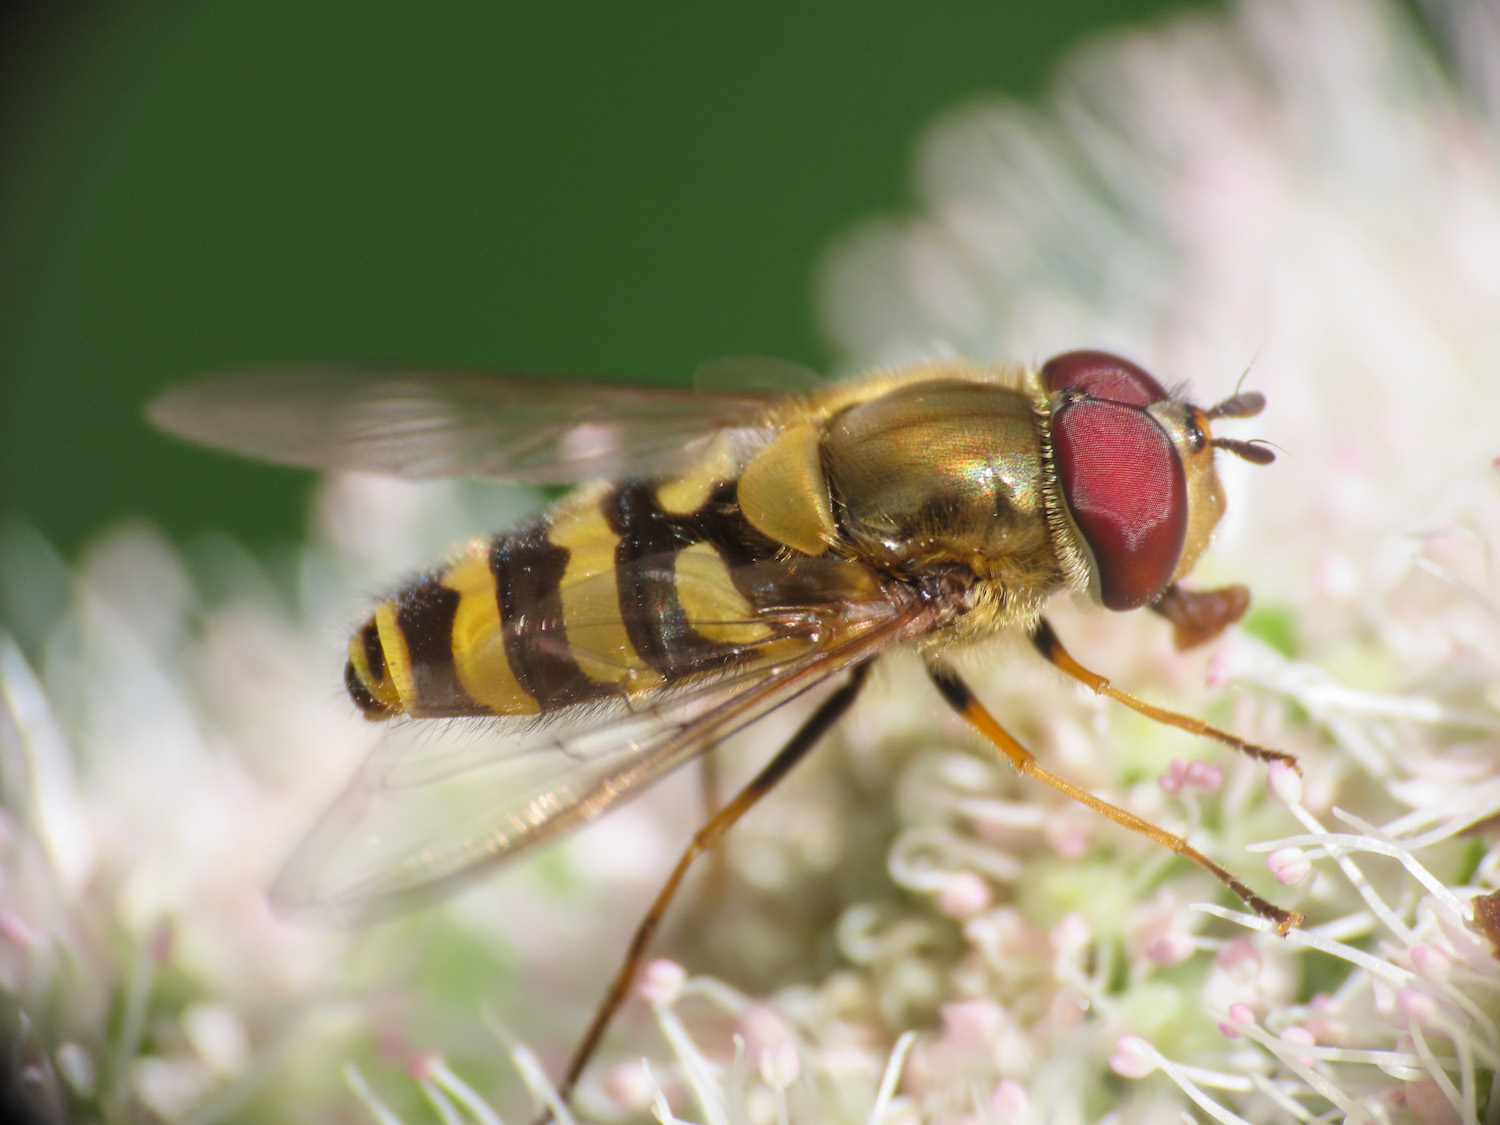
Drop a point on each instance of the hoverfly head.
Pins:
(1135, 473)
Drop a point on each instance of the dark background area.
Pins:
(620, 191)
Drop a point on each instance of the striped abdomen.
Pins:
(623, 588)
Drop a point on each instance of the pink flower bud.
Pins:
(1133, 1057)
(422, 1065)
(1070, 935)
(1418, 1005)
(1241, 960)
(1299, 1037)
(662, 981)
(1173, 780)
(1009, 1103)
(1240, 1017)
(1172, 948)
(628, 1088)
(1430, 961)
(1204, 775)
(780, 1065)
(1289, 865)
(1285, 782)
(964, 895)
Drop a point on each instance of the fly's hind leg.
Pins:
(1049, 646)
(703, 840)
(962, 700)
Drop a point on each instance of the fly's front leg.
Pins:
(1049, 646)
(962, 700)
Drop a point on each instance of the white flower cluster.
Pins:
(1307, 191)
(1301, 187)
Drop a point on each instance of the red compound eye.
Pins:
(1124, 485)
(1102, 375)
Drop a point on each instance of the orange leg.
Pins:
(703, 840)
(962, 700)
(1048, 645)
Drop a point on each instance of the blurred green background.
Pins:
(619, 190)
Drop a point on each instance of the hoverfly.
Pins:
(721, 554)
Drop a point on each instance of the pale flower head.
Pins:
(912, 933)
(1306, 192)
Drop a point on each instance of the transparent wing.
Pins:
(437, 804)
(424, 424)
(756, 374)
